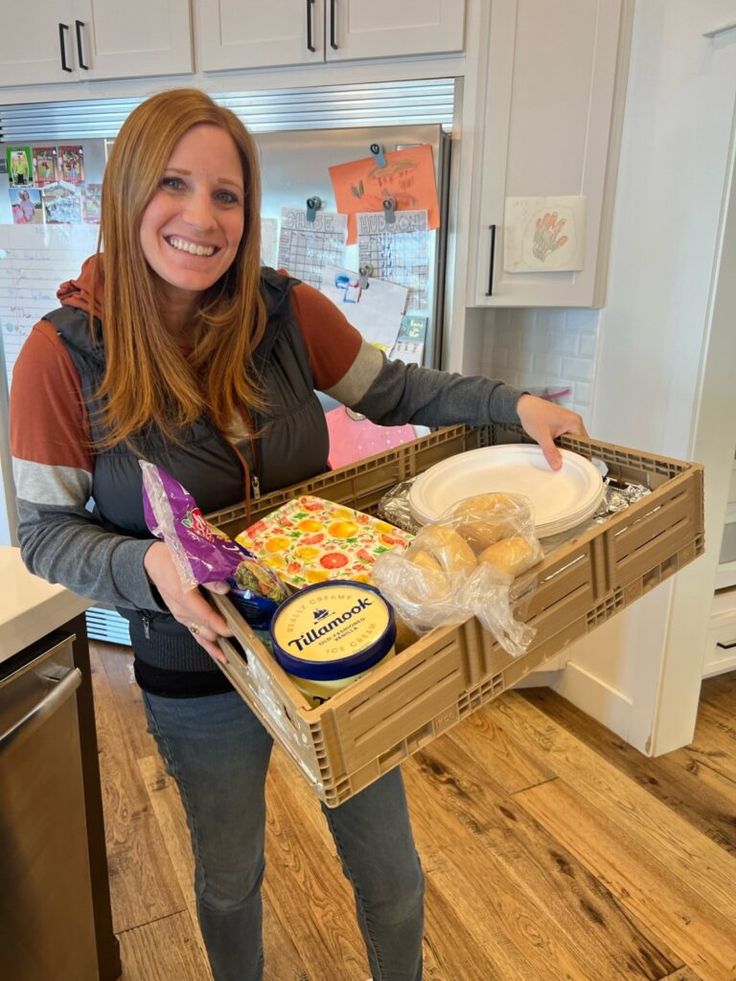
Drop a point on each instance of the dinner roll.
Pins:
(513, 555)
(422, 558)
(424, 580)
(447, 548)
(487, 518)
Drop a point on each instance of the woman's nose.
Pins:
(199, 211)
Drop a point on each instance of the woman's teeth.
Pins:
(182, 246)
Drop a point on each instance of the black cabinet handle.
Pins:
(333, 20)
(62, 46)
(726, 647)
(310, 45)
(79, 24)
(489, 291)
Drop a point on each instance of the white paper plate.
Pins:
(560, 499)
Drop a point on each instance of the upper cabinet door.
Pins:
(259, 33)
(114, 39)
(382, 28)
(268, 33)
(36, 42)
(556, 78)
(79, 40)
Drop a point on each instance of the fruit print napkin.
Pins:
(310, 540)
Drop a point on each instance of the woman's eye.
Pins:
(226, 197)
(173, 183)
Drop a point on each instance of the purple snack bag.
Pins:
(202, 553)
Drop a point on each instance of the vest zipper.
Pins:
(146, 620)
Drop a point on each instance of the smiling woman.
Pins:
(193, 224)
(176, 347)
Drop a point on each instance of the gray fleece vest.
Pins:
(292, 446)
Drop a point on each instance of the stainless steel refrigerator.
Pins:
(299, 135)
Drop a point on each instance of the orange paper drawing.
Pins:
(408, 178)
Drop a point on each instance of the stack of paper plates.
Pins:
(560, 499)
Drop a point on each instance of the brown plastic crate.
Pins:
(371, 726)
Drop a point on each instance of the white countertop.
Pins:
(29, 606)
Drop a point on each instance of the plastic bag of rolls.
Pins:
(463, 565)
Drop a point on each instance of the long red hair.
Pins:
(147, 378)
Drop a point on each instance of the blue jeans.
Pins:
(218, 753)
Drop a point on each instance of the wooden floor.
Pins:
(551, 850)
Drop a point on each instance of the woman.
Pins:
(176, 346)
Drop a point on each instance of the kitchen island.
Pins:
(36, 616)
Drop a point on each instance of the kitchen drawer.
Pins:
(720, 652)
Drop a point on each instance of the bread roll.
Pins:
(447, 548)
(487, 518)
(424, 580)
(513, 555)
(423, 559)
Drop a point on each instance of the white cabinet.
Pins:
(266, 33)
(554, 68)
(80, 40)
(720, 645)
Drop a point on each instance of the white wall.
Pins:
(652, 342)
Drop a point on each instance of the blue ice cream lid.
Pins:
(332, 630)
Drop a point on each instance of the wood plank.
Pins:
(450, 953)
(514, 768)
(719, 690)
(143, 886)
(647, 885)
(589, 930)
(164, 950)
(117, 662)
(714, 743)
(709, 869)
(677, 779)
(305, 886)
(166, 805)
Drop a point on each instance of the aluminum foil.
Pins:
(394, 508)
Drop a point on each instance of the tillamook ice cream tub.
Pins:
(330, 634)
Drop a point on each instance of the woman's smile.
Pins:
(184, 245)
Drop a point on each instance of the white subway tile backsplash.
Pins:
(587, 340)
(544, 348)
(562, 341)
(579, 318)
(548, 364)
(582, 392)
(577, 368)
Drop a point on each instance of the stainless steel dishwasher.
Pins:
(46, 915)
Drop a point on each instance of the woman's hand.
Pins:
(543, 421)
(187, 606)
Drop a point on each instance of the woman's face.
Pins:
(193, 224)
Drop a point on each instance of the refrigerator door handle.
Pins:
(42, 711)
(310, 42)
(62, 46)
(333, 24)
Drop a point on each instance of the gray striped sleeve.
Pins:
(392, 393)
(64, 544)
(61, 541)
(44, 483)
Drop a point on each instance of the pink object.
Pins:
(355, 439)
